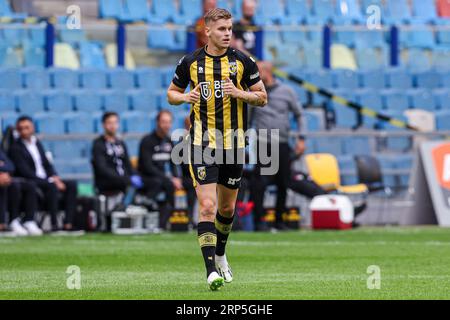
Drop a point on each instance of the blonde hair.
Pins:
(217, 14)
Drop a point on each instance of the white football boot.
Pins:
(32, 228)
(17, 228)
(223, 268)
(215, 281)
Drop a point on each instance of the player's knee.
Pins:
(227, 209)
(208, 209)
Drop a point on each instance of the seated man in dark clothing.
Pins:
(28, 155)
(111, 164)
(158, 172)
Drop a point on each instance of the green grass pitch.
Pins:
(414, 264)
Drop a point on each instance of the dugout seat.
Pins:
(324, 170)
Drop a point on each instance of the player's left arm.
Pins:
(256, 96)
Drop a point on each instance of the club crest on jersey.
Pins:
(205, 90)
(201, 172)
(233, 68)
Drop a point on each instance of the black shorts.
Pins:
(224, 167)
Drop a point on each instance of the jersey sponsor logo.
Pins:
(254, 76)
(207, 91)
(201, 172)
(233, 181)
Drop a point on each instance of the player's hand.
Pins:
(5, 179)
(229, 89)
(193, 96)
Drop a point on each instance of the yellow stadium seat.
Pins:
(324, 170)
(111, 57)
(342, 57)
(65, 56)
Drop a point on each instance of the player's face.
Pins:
(111, 125)
(25, 129)
(220, 32)
(165, 123)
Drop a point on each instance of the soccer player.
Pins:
(223, 81)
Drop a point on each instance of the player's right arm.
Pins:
(176, 95)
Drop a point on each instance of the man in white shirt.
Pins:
(31, 163)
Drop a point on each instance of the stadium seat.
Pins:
(29, 101)
(445, 78)
(93, 79)
(349, 10)
(404, 162)
(13, 34)
(427, 79)
(9, 57)
(356, 145)
(424, 10)
(87, 100)
(115, 100)
(422, 99)
(418, 60)
(443, 7)
(313, 56)
(369, 58)
(49, 123)
(71, 36)
(371, 99)
(58, 101)
(161, 39)
(64, 78)
(398, 78)
(443, 120)
(162, 100)
(373, 79)
(269, 12)
(36, 36)
(190, 10)
(111, 57)
(293, 36)
(345, 79)
(120, 79)
(398, 11)
(111, 9)
(312, 120)
(369, 39)
(10, 78)
(148, 79)
(421, 36)
(442, 97)
(65, 56)
(322, 11)
(331, 145)
(324, 170)
(91, 55)
(272, 38)
(70, 149)
(79, 123)
(399, 144)
(441, 58)
(132, 146)
(342, 57)
(297, 10)
(7, 103)
(163, 11)
(143, 100)
(35, 78)
(347, 170)
(6, 11)
(395, 100)
(8, 119)
(138, 122)
(33, 56)
(290, 54)
(167, 74)
(135, 10)
(387, 162)
(345, 117)
(322, 79)
(443, 37)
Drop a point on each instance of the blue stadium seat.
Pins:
(272, 38)
(346, 117)
(163, 11)
(312, 121)
(398, 11)
(143, 100)
(64, 78)
(443, 120)
(349, 10)
(347, 169)
(369, 58)
(87, 100)
(8, 119)
(269, 12)
(35, 78)
(91, 55)
(356, 145)
(190, 10)
(442, 97)
(370, 99)
(373, 79)
(115, 100)
(404, 162)
(138, 122)
(422, 99)
(399, 144)
(445, 78)
(424, 10)
(148, 78)
(136, 10)
(93, 79)
(289, 53)
(323, 79)
(422, 36)
(427, 79)
(70, 149)
(395, 100)
(297, 10)
(161, 39)
(111, 9)
(293, 36)
(369, 39)
(10, 78)
(7, 103)
(441, 57)
(178, 119)
(34, 56)
(6, 11)
(387, 162)
(322, 10)
(120, 79)
(398, 78)
(72, 36)
(79, 123)
(418, 60)
(132, 146)
(49, 123)
(162, 100)
(167, 74)
(29, 101)
(301, 93)
(345, 79)
(180, 39)
(58, 101)
(9, 57)
(443, 37)
(36, 36)
(13, 34)
(331, 145)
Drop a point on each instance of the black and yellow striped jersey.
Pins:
(217, 115)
